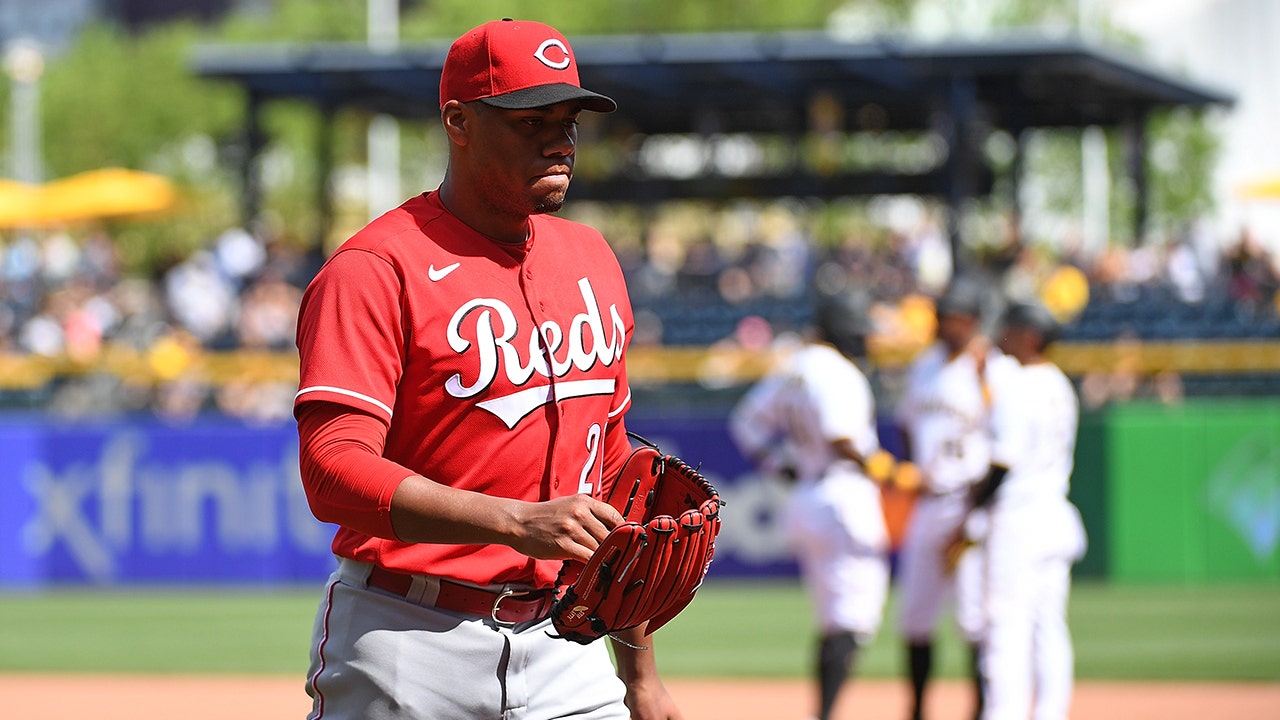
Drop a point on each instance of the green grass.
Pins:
(730, 630)
(166, 631)
(1213, 633)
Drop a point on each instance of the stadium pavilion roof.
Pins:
(764, 83)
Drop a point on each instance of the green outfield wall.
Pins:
(1187, 493)
(1089, 485)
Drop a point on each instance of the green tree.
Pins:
(113, 99)
(1183, 152)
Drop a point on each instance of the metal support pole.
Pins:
(25, 64)
(324, 188)
(255, 141)
(961, 158)
(383, 138)
(1135, 131)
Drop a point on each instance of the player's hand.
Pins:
(880, 466)
(650, 700)
(566, 528)
(906, 477)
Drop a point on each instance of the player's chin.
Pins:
(548, 191)
(548, 203)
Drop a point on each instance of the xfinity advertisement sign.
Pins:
(141, 501)
(150, 502)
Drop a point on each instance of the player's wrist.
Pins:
(508, 520)
(635, 658)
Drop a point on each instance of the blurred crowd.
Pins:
(125, 343)
(1244, 270)
(782, 264)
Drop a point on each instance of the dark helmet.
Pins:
(964, 296)
(841, 320)
(1034, 317)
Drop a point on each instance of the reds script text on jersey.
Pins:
(510, 393)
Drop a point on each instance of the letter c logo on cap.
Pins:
(560, 64)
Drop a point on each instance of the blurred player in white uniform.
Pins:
(814, 419)
(944, 413)
(1033, 533)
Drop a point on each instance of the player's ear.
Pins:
(456, 119)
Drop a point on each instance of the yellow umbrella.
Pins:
(1264, 188)
(91, 195)
(16, 202)
(104, 193)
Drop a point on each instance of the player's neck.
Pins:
(508, 230)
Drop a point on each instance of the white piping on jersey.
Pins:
(510, 409)
(622, 405)
(348, 393)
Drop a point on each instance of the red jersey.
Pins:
(498, 369)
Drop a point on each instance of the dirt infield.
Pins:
(63, 697)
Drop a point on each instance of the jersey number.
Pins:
(593, 450)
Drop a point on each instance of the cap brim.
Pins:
(543, 95)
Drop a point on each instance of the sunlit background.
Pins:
(172, 173)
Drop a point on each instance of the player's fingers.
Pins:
(566, 528)
(591, 522)
(598, 523)
(607, 514)
(579, 552)
(575, 544)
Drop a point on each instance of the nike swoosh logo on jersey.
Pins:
(438, 275)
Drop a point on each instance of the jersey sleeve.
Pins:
(866, 439)
(346, 479)
(350, 335)
(753, 422)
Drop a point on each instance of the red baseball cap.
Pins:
(515, 64)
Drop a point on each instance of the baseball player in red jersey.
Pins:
(460, 409)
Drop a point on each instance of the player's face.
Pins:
(526, 156)
(956, 329)
(1018, 342)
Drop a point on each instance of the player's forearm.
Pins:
(986, 489)
(633, 652)
(647, 698)
(423, 511)
(349, 482)
(564, 528)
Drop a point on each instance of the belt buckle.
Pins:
(497, 604)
